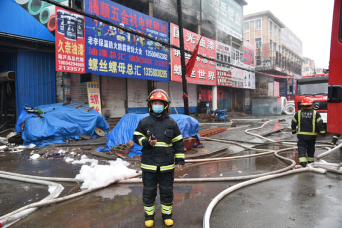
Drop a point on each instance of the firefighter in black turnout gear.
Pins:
(163, 147)
(308, 122)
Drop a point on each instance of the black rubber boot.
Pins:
(303, 164)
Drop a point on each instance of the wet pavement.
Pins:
(302, 200)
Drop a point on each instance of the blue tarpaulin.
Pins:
(59, 122)
(123, 131)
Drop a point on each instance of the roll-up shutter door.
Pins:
(177, 92)
(113, 96)
(137, 95)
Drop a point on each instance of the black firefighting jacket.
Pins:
(169, 148)
(308, 122)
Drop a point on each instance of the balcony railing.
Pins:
(267, 59)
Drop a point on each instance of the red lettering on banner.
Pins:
(92, 51)
(94, 6)
(156, 25)
(97, 109)
(139, 59)
(103, 53)
(121, 56)
(163, 28)
(142, 23)
(112, 55)
(161, 63)
(94, 99)
(115, 14)
(149, 23)
(105, 10)
(124, 17)
(134, 20)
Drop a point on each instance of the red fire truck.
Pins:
(316, 87)
(334, 124)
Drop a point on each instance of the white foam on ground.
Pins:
(35, 156)
(61, 151)
(85, 159)
(31, 145)
(102, 175)
(67, 159)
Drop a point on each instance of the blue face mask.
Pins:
(157, 109)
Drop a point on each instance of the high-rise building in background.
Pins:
(278, 52)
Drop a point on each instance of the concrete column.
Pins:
(59, 87)
(150, 8)
(214, 97)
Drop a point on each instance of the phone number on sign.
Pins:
(154, 54)
(155, 72)
(69, 68)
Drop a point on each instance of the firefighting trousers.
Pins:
(306, 151)
(150, 182)
(335, 138)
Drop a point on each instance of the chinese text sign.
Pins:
(204, 71)
(111, 51)
(70, 49)
(94, 99)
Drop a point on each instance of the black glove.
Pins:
(294, 132)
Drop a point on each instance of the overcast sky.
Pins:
(310, 20)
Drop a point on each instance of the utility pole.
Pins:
(181, 38)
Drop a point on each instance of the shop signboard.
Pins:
(204, 71)
(249, 77)
(70, 42)
(224, 72)
(225, 15)
(276, 89)
(110, 51)
(237, 74)
(94, 98)
(249, 63)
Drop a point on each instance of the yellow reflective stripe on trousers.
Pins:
(167, 167)
(138, 133)
(166, 209)
(179, 156)
(175, 139)
(314, 122)
(306, 133)
(336, 137)
(149, 210)
(322, 132)
(299, 120)
(311, 159)
(294, 119)
(293, 130)
(319, 119)
(303, 159)
(150, 167)
(162, 144)
(140, 140)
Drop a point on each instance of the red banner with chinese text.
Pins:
(204, 71)
(70, 42)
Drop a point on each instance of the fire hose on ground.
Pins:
(51, 199)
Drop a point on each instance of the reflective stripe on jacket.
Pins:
(309, 121)
(169, 149)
